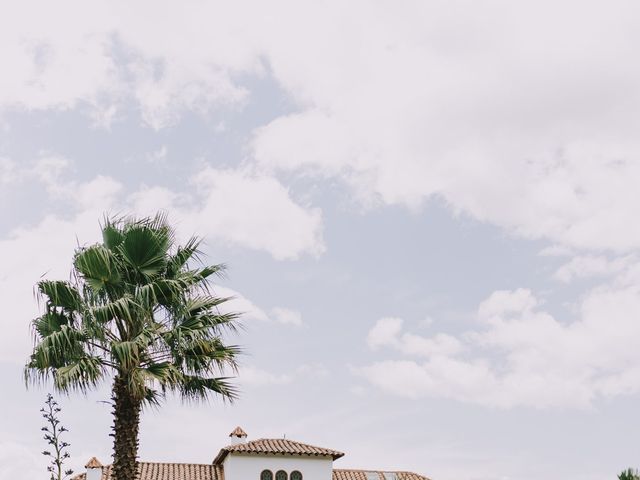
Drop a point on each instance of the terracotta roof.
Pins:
(238, 432)
(93, 463)
(190, 471)
(168, 471)
(343, 474)
(276, 446)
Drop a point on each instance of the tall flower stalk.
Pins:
(53, 432)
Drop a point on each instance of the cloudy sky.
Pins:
(430, 211)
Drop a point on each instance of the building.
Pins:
(263, 459)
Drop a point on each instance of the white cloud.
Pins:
(251, 312)
(426, 322)
(387, 333)
(312, 370)
(106, 56)
(286, 316)
(584, 266)
(254, 211)
(45, 169)
(148, 200)
(49, 170)
(505, 301)
(240, 304)
(384, 332)
(158, 156)
(240, 208)
(555, 251)
(528, 132)
(256, 377)
(7, 171)
(525, 132)
(55, 62)
(521, 355)
(19, 462)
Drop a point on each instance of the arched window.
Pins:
(281, 475)
(266, 475)
(295, 475)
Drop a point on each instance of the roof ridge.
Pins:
(282, 440)
(373, 470)
(167, 463)
(180, 463)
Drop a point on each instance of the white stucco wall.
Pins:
(249, 466)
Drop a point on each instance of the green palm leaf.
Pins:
(60, 294)
(98, 267)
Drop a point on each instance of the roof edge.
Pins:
(365, 470)
(222, 454)
(224, 451)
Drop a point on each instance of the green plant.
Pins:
(629, 474)
(138, 313)
(53, 432)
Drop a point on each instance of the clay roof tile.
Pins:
(93, 463)
(238, 432)
(276, 446)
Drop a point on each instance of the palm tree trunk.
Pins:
(126, 420)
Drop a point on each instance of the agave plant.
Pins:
(139, 312)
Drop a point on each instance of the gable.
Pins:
(276, 446)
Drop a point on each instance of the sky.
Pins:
(429, 211)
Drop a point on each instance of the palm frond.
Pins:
(145, 250)
(60, 294)
(129, 353)
(182, 256)
(199, 389)
(97, 266)
(49, 323)
(112, 235)
(58, 348)
(82, 375)
(123, 308)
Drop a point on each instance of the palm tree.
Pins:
(138, 313)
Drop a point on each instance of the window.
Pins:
(266, 475)
(281, 475)
(295, 475)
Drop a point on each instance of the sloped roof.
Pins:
(191, 471)
(276, 446)
(168, 471)
(346, 474)
(93, 463)
(238, 432)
